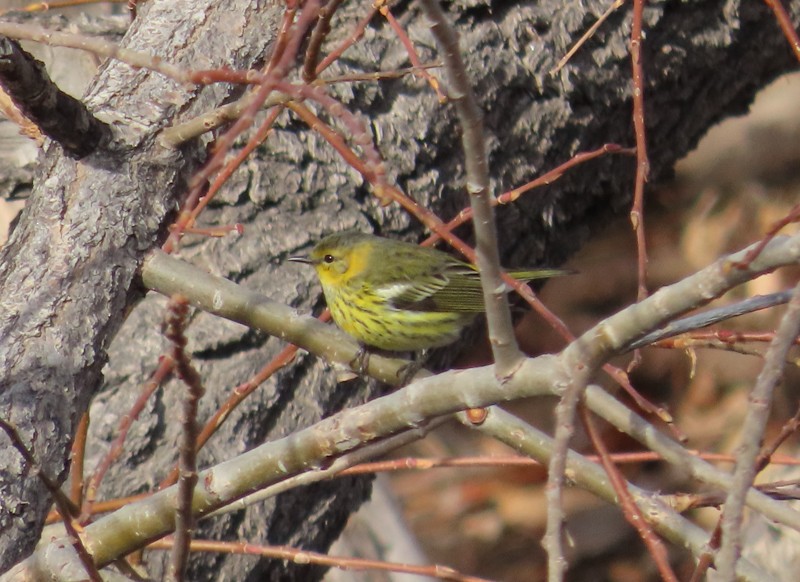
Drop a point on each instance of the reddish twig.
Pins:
(284, 34)
(65, 507)
(279, 71)
(348, 42)
(409, 46)
(306, 557)
(78, 457)
(630, 510)
(318, 36)
(424, 464)
(52, 5)
(384, 191)
(642, 162)
(766, 456)
(788, 429)
(544, 180)
(785, 22)
(227, 171)
(777, 226)
(175, 332)
(165, 367)
(586, 36)
(725, 336)
(238, 394)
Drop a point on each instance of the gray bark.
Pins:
(68, 275)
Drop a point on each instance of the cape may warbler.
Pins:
(398, 296)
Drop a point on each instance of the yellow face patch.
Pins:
(337, 267)
(358, 261)
(326, 276)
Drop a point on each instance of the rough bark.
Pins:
(703, 61)
(67, 273)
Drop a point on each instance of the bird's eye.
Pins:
(328, 259)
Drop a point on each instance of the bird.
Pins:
(397, 296)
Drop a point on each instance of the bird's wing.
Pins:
(450, 286)
(412, 293)
(455, 288)
(462, 293)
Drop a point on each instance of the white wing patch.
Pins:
(393, 290)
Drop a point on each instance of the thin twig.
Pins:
(52, 5)
(427, 463)
(544, 180)
(530, 441)
(712, 316)
(65, 507)
(792, 216)
(766, 456)
(642, 162)
(506, 352)
(307, 557)
(586, 36)
(318, 36)
(410, 50)
(352, 39)
(284, 35)
(112, 50)
(225, 142)
(230, 167)
(752, 436)
(78, 457)
(238, 395)
(165, 367)
(785, 22)
(577, 372)
(630, 510)
(177, 320)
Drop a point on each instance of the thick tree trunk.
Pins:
(68, 274)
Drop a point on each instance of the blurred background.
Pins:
(743, 176)
(488, 522)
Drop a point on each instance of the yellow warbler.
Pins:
(398, 296)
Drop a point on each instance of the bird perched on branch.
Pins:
(398, 296)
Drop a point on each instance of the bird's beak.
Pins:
(305, 260)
